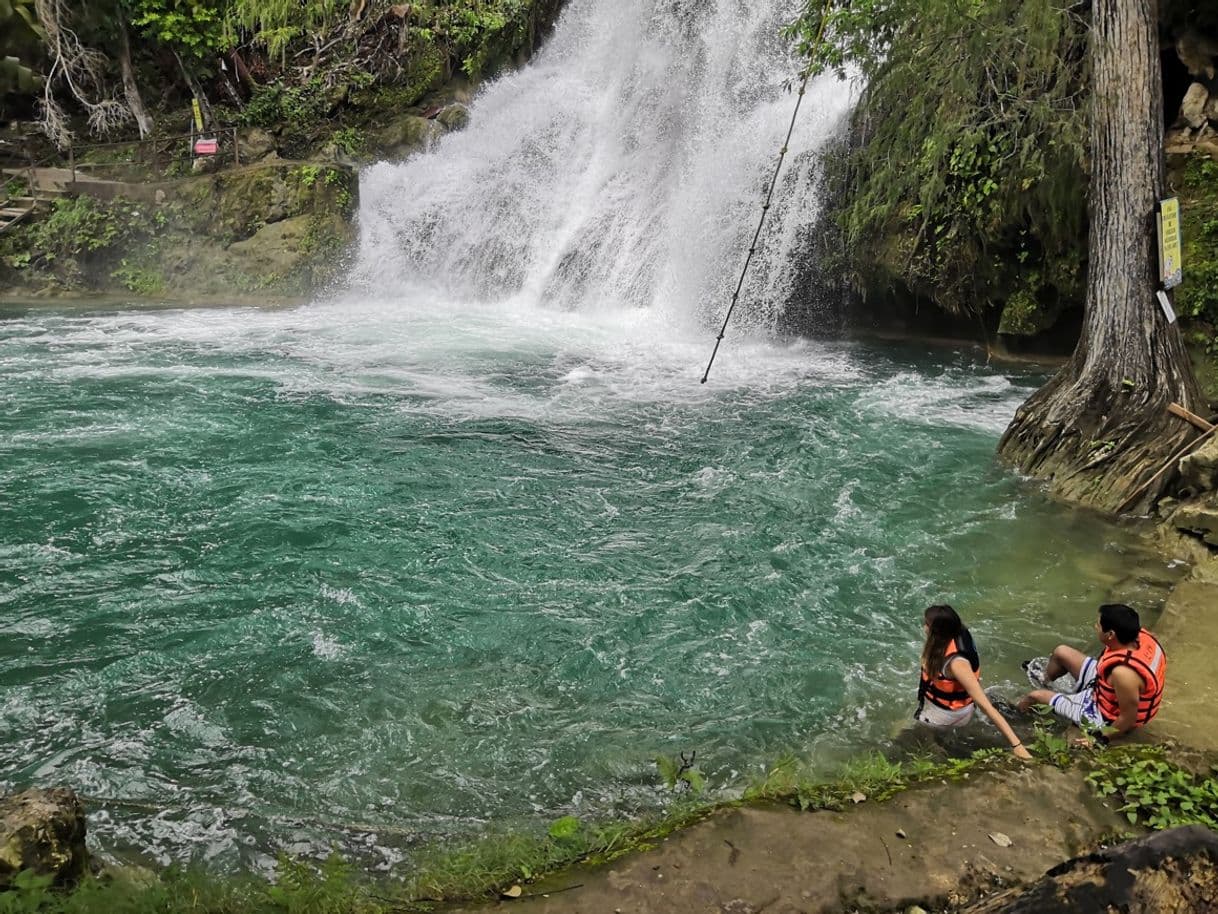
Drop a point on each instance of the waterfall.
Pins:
(623, 168)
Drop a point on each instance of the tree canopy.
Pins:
(964, 178)
(96, 58)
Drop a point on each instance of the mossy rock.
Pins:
(282, 227)
(42, 831)
(407, 134)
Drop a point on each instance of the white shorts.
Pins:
(1079, 707)
(934, 716)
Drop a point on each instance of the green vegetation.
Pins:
(76, 226)
(964, 177)
(188, 243)
(1154, 791)
(266, 63)
(488, 865)
(1197, 297)
(350, 140)
(299, 889)
(1196, 184)
(141, 280)
(681, 773)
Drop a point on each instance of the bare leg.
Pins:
(1037, 697)
(1065, 659)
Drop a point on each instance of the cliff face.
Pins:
(273, 229)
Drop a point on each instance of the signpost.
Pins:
(1171, 271)
(201, 145)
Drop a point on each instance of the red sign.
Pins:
(206, 147)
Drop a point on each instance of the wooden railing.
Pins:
(155, 152)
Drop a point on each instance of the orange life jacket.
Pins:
(1149, 661)
(947, 693)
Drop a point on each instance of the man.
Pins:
(1119, 691)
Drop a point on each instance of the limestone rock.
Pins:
(254, 144)
(43, 831)
(331, 152)
(1207, 148)
(1192, 109)
(1178, 141)
(454, 117)
(275, 249)
(1175, 870)
(1197, 53)
(1211, 108)
(408, 134)
(1199, 470)
(1199, 517)
(205, 165)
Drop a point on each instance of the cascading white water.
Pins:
(624, 167)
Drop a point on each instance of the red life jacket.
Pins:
(1149, 661)
(947, 693)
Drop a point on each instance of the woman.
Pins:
(950, 686)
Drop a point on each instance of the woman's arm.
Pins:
(962, 672)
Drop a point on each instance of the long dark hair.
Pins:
(943, 626)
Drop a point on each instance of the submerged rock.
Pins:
(1174, 870)
(43, 831)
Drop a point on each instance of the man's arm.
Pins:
(1128, 686)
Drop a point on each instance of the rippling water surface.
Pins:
(264, 574)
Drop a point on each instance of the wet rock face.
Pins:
(43, 831)
(1175, 870)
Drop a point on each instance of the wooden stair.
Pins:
(14, 209)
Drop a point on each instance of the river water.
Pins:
(268, 572)
(467, 542)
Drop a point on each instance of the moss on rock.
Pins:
(277, 227)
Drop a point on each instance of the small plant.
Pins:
(870, 777)
(308, 174)
(137, 279)
(77, 225)
(680, 773)
(1154, 791)
(350, 140)
(565, 829)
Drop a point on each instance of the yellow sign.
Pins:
(194, 103)
(1171, 267)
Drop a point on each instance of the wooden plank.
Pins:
(1171, 464)
(1177, 410)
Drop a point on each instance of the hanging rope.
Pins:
(765, 207)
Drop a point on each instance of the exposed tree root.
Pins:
(1098, 464)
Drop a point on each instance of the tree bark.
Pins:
(209, 119)
(1100, 427)
(130, 88)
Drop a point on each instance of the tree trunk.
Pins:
(209, 119)
(130, 88)
(1099, 428)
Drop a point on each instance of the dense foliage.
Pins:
(99, 60)
(964, 179)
